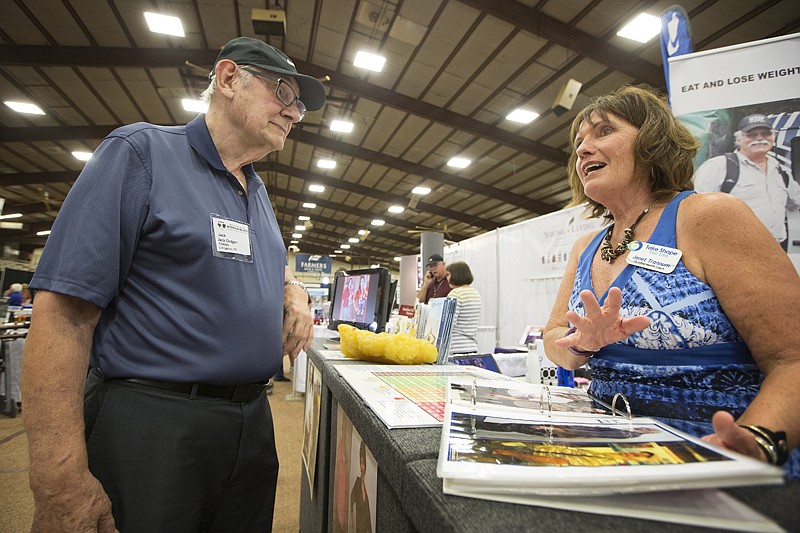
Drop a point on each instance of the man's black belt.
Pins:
(232, 393)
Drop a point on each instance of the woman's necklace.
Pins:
(607, 253)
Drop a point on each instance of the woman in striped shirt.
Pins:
(468, 309)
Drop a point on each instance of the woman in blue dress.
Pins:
(684, 302)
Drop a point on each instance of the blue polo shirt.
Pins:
(134, 236)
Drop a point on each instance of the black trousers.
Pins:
(171, 464)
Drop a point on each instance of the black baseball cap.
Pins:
(754, 121)
(433, 259)
(257, 53)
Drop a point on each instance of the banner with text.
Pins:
(767, 70)
(757, 85)
(550, 240)
(319, 264)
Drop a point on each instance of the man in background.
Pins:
(754, 174)
(166, 273)
(434, 283)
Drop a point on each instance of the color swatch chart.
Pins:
(408, 396)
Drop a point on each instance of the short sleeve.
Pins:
(91, 245)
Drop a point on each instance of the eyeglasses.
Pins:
(756, 133)
(286, 95)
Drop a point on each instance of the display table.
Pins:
(410, 497)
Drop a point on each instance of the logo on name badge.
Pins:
(653, 257)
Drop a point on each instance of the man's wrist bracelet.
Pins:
(575, 351)
(295, 282)
(772, 443)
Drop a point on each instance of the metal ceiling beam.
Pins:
(34, 178)
(55, 133)
(323, 245)
(434, 113)
(517, 200)
(369, 192)
(375, 232)
(367, 215)
(108, 57)
(104, 57)
(563, 34)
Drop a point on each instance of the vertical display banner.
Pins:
(676, 36)
(716, 91)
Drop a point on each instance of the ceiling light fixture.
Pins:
(378, 222)
(354, 239)
(25, 107)
(363, 232)
(309, 205)
(300, 228)
(316, 188)
(396, 208)
(342, 126)
(523, 116)
(82, 156)
(422, 191)
(43, 233)
(641, 29)
(297, 235)
(326, 163)
(10, 215)
(458, 162)
(165, 24)
(369, 61)
(303, 217)
(194, 106)
(397, 258)
(344, 246)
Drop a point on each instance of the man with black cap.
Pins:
(434, 283)
(165, 273)
(753, 174)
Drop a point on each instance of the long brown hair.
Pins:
(663, 145)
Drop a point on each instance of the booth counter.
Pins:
(409, 494)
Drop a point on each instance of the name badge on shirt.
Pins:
(653, 257)
(231, 239)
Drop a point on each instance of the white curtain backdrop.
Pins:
(501, 261)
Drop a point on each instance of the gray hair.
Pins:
(209, 91)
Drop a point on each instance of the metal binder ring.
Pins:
(546, 389)
(474, 393)
(614, 405)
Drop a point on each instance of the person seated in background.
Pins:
(14, 294)
(698, 332)
(464, 338)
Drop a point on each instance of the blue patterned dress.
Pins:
(690, 362)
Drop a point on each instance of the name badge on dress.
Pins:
(653, 257)
(231, 239)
